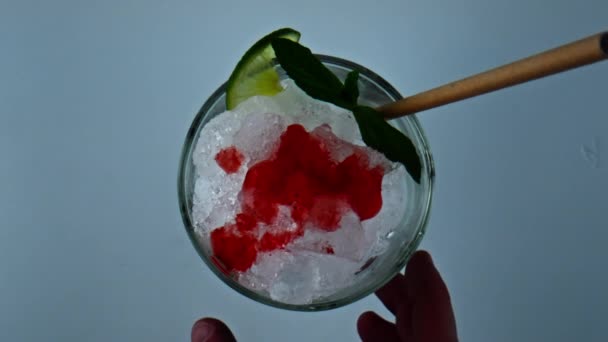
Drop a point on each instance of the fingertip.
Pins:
(420, 263)
(372, 327)
(423, 276)
(211, 330)
(365, 325)
(421, 258)
(365, 319)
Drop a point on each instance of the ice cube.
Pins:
(215, 192)
(214, 136)
(348, 241)
(265, 270)
(283, 222)
(310, 276)
(312, 113)
(258, 135)
(201, 206)
(215, 200)
(338, 149)
(392, 212)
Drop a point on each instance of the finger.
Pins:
(372, 327)
(403, 323)
(211, 330)
(424, 278)
(394, 293)
(431, 317)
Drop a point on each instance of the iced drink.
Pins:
(288, 197)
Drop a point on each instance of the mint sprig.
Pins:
(317, 81)
(350, 91)
(309, 73)
(381, 136)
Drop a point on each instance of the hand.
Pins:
(421, 303)
(419, 299)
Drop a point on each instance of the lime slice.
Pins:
(254, 74)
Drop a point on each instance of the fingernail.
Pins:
(202, 331)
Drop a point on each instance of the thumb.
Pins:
(211, 330)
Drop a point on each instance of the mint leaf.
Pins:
(320, 83)
(309, 73)
(380, 135)
(350, 92)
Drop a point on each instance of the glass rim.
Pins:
(251, 294)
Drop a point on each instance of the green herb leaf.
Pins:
(309, 73)
(380, 135)
(320, 83)
(350, 92)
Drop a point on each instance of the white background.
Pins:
(96, 99)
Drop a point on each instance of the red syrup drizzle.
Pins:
(302, 175)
